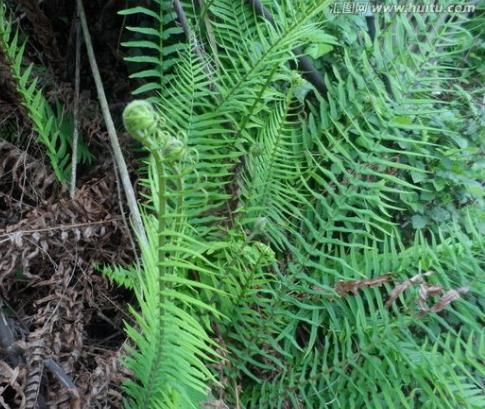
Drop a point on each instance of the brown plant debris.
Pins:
(42, 29)
(54, 249)
(448, 298)
(9, 93)
(425, 293)
(344, 287)
(68, 226)
(403, 286)
(102, 388)
(61, 322)
(59, 330)
(12, 379)
(19, 171)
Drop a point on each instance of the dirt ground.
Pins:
(61, 321)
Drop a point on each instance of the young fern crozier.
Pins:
(168, 343)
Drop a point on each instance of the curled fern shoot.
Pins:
(170, 348)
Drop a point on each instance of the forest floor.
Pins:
(61, 321)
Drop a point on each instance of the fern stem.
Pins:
(179, 182)
(162, 207)
(190, 35)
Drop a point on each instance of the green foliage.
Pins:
(282, 192)
(168, 343)
(152, 48)
(52, 125)
(169, 347)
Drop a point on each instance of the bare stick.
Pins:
(305, 65)
(6, 334)
(190, 35)
(122, 208)
(179, 10)
(62, 377)
(75, 135)
(120, 160)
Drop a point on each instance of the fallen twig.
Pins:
(17, 234)
(120, 161)
(65, 380)
(75, 135)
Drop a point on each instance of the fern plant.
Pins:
(169, 347)
(52, 125)
(153, 50)
(291, 193)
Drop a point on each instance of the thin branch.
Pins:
(62, 377)
(190, 35)
(179, 10)
(75, 135)
(120, 160)
(305, 65)
(19, 233)
(122, 209)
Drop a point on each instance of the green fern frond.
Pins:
(338, 178)
(209, 119)
(122, 276)
(168, 343)
(153, 51)
(49, 125)
(377, 356)
(169, 347)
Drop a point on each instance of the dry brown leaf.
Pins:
(20, 171)
(401, 287)
(215, 404)
(426, 291)
(344, 287)
(448, 298)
